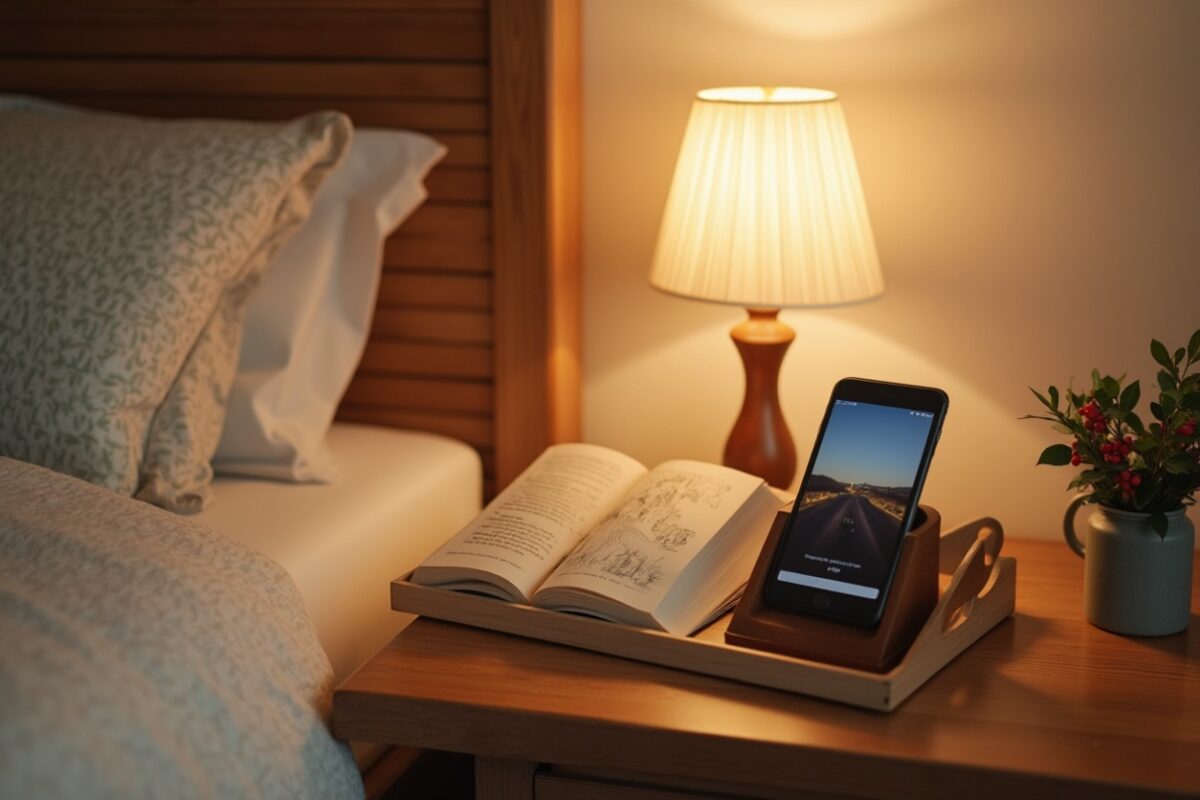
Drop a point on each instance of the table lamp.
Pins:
(766, 211)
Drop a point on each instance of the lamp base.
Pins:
(760, 442)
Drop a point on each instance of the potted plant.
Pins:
(1139, 542)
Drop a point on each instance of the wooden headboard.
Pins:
(476, 333)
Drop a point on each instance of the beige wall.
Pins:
(1032, 169)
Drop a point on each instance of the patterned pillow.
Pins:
(127, 249)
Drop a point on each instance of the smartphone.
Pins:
(837, 555)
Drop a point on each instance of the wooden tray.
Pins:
(979, 592)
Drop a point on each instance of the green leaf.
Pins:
(1191, 401)
(1041, 397)
(1053, 392)
(1194, 346)
(1135, 423)
(1168, 406)
(1112, 387)
(1166, 381)
(1158, 521)
(1145, 445)
(1159, 351)
(1095, 379)
(1179, 354)
(1063, 429)
(1143, 494)
(1056, 455)
(1157, 411)
(1129, 397)
(1079, 482)
(1179, 464)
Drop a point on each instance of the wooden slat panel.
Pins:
(536, 94)
(466, 149)
(417, 324)
(564, 96)
(463, 175)
(288, 78)
(474, 430)
(415, 394)
(488, 455)
(204, 30)
(427, 359)
(460, 176)
(425, 115)
(458, 184)
(458, 255)
(158, 6)
(467, 292)
(450, 221)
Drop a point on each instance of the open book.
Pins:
(589, 530)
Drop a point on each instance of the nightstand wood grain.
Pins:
(1044, 705)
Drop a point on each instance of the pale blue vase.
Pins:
(1136, 582)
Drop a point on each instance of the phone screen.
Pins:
(847, 523)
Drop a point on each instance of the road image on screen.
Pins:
(847, 524)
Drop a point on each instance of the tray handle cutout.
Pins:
(968, 553)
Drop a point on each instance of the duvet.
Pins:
(144, 656)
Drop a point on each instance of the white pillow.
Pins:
(308, 321)
(128, 248)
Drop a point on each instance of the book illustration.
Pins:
(590, 530)
(635, 541)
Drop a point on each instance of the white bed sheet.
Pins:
(398, 496)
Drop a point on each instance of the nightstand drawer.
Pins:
(555, 787)
(558, 783)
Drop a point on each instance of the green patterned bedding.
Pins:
(144, 656)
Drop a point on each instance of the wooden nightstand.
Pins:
(1043, 706)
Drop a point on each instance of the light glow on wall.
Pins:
(822, 19)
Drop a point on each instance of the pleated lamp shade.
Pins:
(766, 209)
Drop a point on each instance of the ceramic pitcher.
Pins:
(1136, 582)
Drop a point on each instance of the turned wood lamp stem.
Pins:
(760, 442)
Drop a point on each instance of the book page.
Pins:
(636, 552)
(537, 520)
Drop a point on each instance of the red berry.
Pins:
(1075, 460)
(1136, 480)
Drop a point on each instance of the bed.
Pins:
(471, 366)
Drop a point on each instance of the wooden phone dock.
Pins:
(912, 598)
